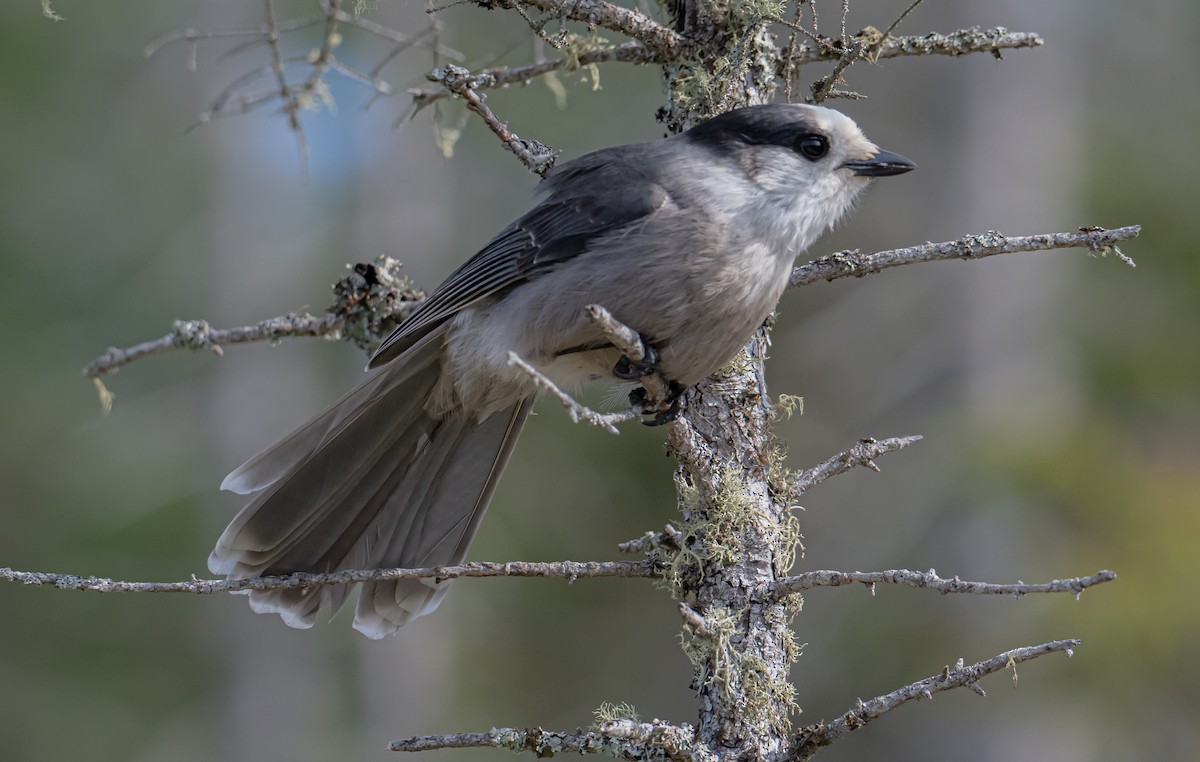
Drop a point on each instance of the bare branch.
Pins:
(634, 24)
(402, 40)
(862, 454)
(291, 104)
(846, 264)
(814, 737)
(314, 87)
(313, 91)
(623, 739)
(260, 33)
(865, 46)
(370, 302)
(960, 43)
(576, 410)
(538, 158)
(367, 80)
(503, 76)
(626, 341)
(568, 570)
(198, 334)
(871, 45)
(930, 580)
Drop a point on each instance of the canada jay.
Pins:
(689, 240)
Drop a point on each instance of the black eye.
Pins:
(812, 147)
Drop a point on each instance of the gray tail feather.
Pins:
(375, 481)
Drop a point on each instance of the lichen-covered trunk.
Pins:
(738, 536)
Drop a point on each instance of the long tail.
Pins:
(373, 482)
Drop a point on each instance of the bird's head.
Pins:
(814, 159)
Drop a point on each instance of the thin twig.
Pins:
(626, 341)
(314, 90)
(634, 24)
(314, 85)
(232, 101)
(503, 76)
(261, 31)
(401, 39)
(623, 739)
(576, 410)
(930, 580)
(912, 7)
(291, 105)
(378, 85)
(191, 35)
(198, 335)
(568, 570)
(814, 737)
(537, 157)
(873, 47)
(401, 45)
(370, 301)
(846, 264)
(850, 52)
(862, 454)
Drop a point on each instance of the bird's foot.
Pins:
(630, 370)
(674, 405)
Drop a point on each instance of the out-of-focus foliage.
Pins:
(1058, 395)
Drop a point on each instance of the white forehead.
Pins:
(832, 121)
(841, 128)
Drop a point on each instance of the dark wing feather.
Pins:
(554, 231)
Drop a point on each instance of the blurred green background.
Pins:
(1057, 393)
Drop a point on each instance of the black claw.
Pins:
(678, 403)
(628, 370)
(637, 399)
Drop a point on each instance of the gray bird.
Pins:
(689, 240)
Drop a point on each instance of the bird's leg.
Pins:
(632, 370)
(674, 404)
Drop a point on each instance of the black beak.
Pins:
(882, 164)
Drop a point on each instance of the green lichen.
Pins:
(577, 45)
(730, 509)
(710, 530)
(770, 698)
(49, 12)
(789, 404)
(610, 712)
(755, 11)
(710, 652)
(373, 298)
(780, 618)
(782, 482)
